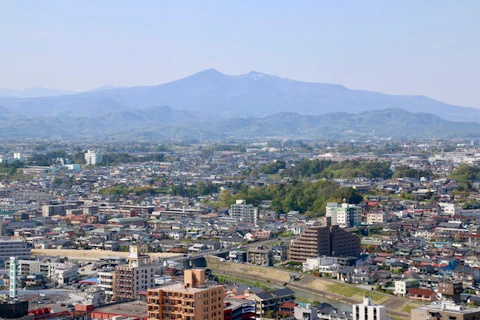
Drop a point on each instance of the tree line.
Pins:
(304, 196)
(329, 169)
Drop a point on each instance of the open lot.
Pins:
(92, 254)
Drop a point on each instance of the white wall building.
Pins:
(61, 273)
(376, 217)
(243, 211)
(64, 273)
(315, 263)
(106, 283)
(345, 215)
(19, 156)
(93, 158)
(368, 311)
(450, 208)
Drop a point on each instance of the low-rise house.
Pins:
(231, 242)
(270, 301)
(422, 294)
(467, 275)
(402, 286)
(197, 247)
(260, 256)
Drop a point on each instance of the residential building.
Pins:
(368, 311)
(260, 256)
(402, 286)
(271, 300)
(57, 209)
(313, 264)
(376, 217)
(328, 240)
(323, 311)
(345, 215)
(451, 290)
(422, 294)
(244, 212)
(93, 158)
(138, 275)
(107, 283)
(239, 309)
(14, 248)
(19, 156)
(65, 273)
(444, 310)
(192, 299)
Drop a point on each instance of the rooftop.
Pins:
(132, 308)
(180, 287)
(449, 306)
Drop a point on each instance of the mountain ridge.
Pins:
(165, 123)
(252, 94)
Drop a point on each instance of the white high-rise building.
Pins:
(345, 215)
(243, 211)
(368, 311)
(19, 156)
(93, 158)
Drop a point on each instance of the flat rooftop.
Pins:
(180, 287)
(449, 307)
(132, 308)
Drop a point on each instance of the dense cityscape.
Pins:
(259, 229)
(239, 160)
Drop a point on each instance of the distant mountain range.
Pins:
(250, 95)
(166, 123)
(210, 104)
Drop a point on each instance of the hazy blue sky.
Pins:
(399, 47)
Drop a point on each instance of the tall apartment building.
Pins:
(345, 215)
(93, 158)
(19, 156)
(14, 248)
(368, 311)
(190, 300)
(138, 275)
(326, 240)
(107, 283)
(243, 211)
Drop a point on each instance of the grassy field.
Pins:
(231, 279)
(349, 291)
(408, 308)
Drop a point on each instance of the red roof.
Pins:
(423, 292)
(288, 304)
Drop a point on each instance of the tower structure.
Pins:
(13, 292)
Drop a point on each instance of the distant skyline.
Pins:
(397, 47)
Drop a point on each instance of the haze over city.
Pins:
(409, 47)
(239, 160)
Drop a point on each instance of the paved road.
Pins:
(63, 292)
(221, 252)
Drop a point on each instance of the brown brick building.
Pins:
(327, 240)
(190, 300)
